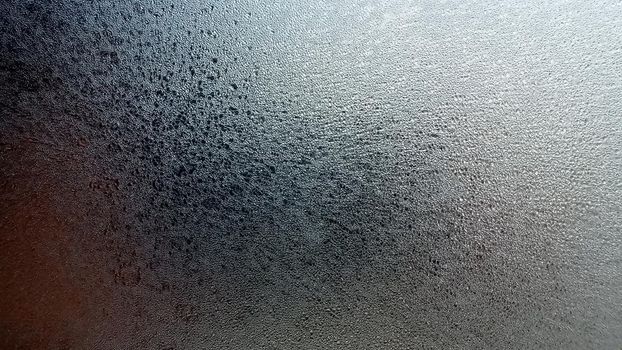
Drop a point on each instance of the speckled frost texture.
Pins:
(310, 174)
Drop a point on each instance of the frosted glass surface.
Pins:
(310, 174)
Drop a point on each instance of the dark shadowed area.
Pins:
(349, 174)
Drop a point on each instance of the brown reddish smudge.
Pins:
(42, 301)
